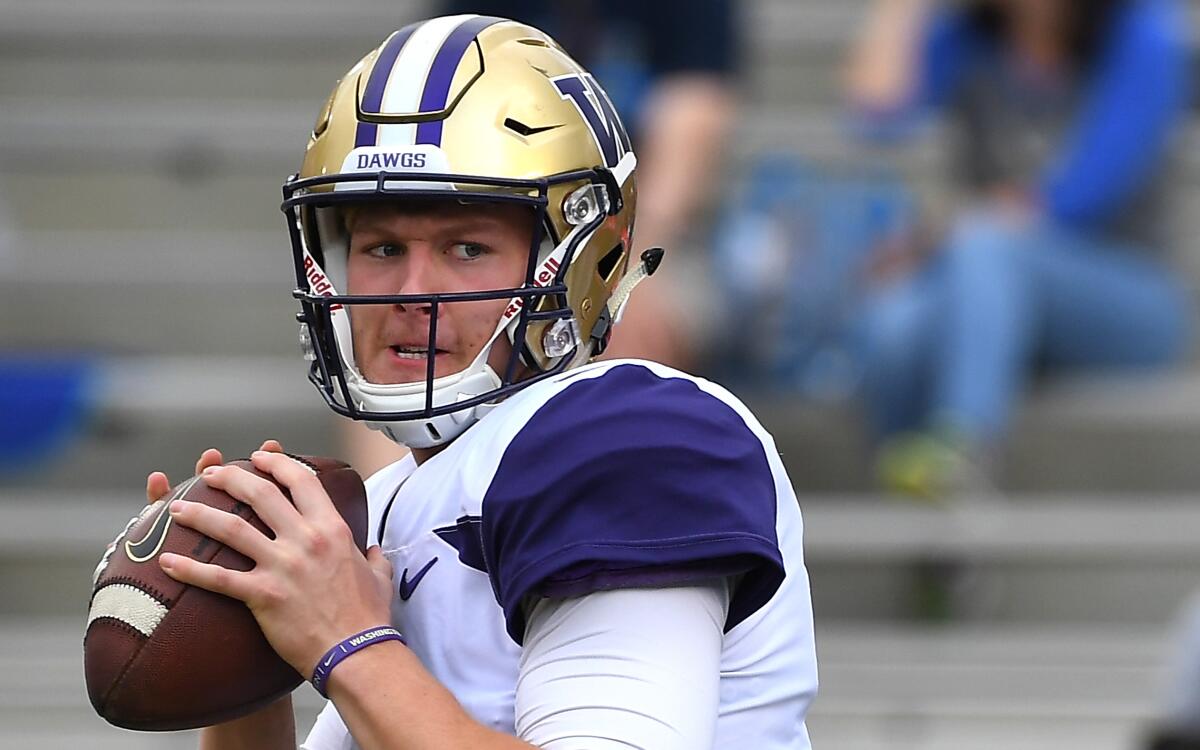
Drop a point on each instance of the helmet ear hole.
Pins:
(608, 265)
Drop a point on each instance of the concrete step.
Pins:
(1030, 529)
(213, 257)
(188, 194)
(1031, 560)
(136, 73)
(99, 131)
(882, 686)
(1093, 433)
(236, 319)
(271, 24)
(194, 26)
(176, 291)
(190, 26)
(977, 688)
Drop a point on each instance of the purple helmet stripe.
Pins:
(372, 98)
(441, 73)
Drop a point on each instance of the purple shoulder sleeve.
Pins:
(630, 479)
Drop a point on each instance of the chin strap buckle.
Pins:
(651, 258)
(611, 314)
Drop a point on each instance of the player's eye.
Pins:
(384, 250)
(467, 250)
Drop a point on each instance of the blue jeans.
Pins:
(955, 343)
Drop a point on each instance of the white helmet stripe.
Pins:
(403, 92)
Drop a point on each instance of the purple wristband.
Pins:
(356, 642)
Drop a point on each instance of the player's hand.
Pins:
(157, 484)
(310, 587)
(157, 487)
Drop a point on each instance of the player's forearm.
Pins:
(272, 728)
(389, 702)
(883, 64)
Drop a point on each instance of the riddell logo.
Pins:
(543, 278)
(318, 282)
(393, 160)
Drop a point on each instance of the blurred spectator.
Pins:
(789, 253)
(1054, 255)
(668, 66)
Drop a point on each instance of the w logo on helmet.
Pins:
(598, 113)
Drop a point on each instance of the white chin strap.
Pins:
(432, 431)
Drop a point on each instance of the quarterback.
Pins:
(575, 554)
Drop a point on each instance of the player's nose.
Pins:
(422, 276)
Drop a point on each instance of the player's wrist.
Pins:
(346, 648)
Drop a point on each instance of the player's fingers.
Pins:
(157, 485)
(210, 457)
(184, 569)
(378, 562)
(227, 528)
(260, 494)
(306, 490)
(273, 446)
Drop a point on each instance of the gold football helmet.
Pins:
(470, 109)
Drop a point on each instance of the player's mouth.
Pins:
(415, 352)
(410, 364)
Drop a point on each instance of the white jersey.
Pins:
(616, 474)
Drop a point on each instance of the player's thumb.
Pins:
(378, 562)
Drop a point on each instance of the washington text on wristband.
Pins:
(356, 642)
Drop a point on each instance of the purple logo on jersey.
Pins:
(407, 587)
(598, 112)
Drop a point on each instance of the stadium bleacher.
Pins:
(142, 145)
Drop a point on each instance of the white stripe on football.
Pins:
(132, 606)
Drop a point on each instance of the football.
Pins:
(160, 655)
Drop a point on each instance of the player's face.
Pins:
(439, 248)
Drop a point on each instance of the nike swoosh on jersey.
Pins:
(407, 587)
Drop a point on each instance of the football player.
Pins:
(574, 554)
